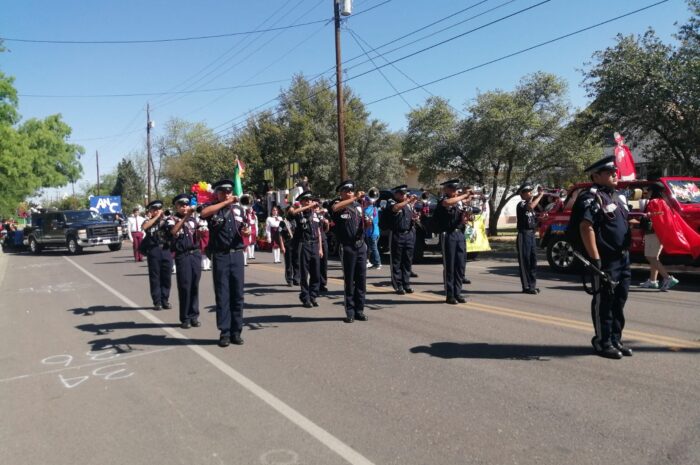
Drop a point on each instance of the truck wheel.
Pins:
(115, 247)
(34, 246)
(560, 256)
(73, 246)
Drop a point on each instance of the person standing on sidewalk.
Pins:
(526, 244)
(372, 236)
(653, 248)
(134, 224)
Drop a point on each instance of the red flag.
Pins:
(624, 161)
(673, 232)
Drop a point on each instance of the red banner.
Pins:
(623, 160)
(673, 232)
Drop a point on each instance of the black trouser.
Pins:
(401, 247)
(189, 270)
(354, 260)
(324, 263)
(309, 270)
(296, 251)
(527, 258)
(160, 269)
(606, 307)
(454, 254)
(288, 259)
(229, 280)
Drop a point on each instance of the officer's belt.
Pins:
(187, 252)
(403, 232)
(310, 241)
(357, 244)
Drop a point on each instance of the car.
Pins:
(117, 218)
(72, 229)
(682, 194)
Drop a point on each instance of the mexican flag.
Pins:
(238, 172)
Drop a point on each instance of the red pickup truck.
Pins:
(681, 193)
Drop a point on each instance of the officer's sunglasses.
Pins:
(181, 203)
(226, 191)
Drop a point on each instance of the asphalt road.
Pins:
(90, 374)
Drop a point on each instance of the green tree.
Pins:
(506, 138)
(651, 90)
(128, 185)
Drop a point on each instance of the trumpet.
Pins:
(246, 200)
(373, 193)
(425, 195)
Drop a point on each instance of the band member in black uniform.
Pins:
(325, 226)
(348, 217)
(308, 237)
(452, 215)
(227, 227)
(526, 244)
(293, 248)
(287, 237)
(158, 255)
(402, 238)
(188, 260)
(602, 220)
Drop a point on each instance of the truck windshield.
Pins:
(685, 191)
(85, 215)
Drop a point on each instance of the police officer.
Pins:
(525, 243)
(158, 256)
(188, 260)
(451, 215)
(308, 238)
(350, 231)
(602, 220)
(402, 238)
(227, 227)
(325, 226)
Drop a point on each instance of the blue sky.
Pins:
(116, 125)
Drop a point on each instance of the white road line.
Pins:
(323, 436)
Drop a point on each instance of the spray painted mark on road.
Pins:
(111, 372)
(54, 288)
(279, 457)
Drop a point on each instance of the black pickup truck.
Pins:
(72, 229)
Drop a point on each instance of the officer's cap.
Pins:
(453, 183)
(524, 188)
(155, 204)
(348, 184)
(402, 188)
(182, 198)
(223, 184)
(604, 164)
(308, 195)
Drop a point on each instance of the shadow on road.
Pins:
(105, 328)
(131, 343)
(450, 350)
(104, 308)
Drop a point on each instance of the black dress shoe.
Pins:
(289, 284)
(314, 303)
(167, 306)
(361, 317)
(408, 290)
(185, 325)
(626, 351)
(452, 301)
(400, 291)
(307, 305)
(609, 352)
(224, 341)
(529, 291)
(413, 275)
(537, 290)
(348, 319)
(196, 323)
(323, 289)
(157, 307)
(467, 281)
(461, 299)
(296, 283)
(236, 339)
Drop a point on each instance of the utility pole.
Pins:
(97, 162)
(347, 6)
(149, 125)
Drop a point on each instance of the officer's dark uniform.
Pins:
(286, 231)
(188, 262)
(226, 245)
(307, 236)
(602, 207)
(324, 259)
(350, 231)
(526, 244)
(454, 248)
(292, 247)
(402, 241)
(159, 258)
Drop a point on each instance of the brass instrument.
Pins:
(373, 194)
(246, 200)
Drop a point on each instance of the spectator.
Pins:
(653, 248)
(134, 224)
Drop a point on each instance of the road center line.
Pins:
(323, 436)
